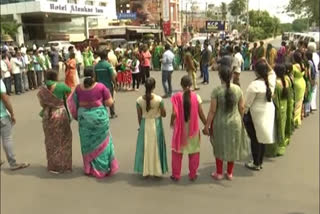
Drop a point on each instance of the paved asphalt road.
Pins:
(286, 185)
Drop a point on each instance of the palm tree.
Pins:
(224, 11)
(8, 26)
(237, 8)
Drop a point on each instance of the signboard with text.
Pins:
(127, 16)
(215, 25)
(80, 9)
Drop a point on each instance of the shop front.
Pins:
(44, 20)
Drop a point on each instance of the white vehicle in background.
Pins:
(195, 39)
(59, 45)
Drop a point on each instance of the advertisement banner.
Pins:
(215, 25)
(167, 28)
(147, 11)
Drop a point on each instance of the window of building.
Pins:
(89, 2)
(103, 4)
(72, 1)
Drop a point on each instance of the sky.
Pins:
(274, 7)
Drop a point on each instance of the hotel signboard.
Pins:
(73, 9)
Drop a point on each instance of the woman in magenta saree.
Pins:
(88, 105)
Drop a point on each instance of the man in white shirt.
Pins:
(316, 60)
(23, 49)
(79, 60)
(24, 77)
(5, 72)
(16, 71)
(167, 69)
(236, 65)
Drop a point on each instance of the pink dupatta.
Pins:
(180, 136)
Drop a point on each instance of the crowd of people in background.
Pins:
(253, 126)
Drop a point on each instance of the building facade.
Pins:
(152, 13)
(57, 19)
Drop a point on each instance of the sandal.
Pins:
(193, 178)
(229, 176)
(18, 166)
(174, 178)
(54, 172)
(216, 176)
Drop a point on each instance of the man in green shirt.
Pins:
(7, 120)
(106, 75)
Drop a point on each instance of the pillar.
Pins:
(86, 27)
(19, 34)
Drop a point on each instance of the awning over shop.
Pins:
(143, 30)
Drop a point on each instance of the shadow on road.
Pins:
(135, 179)
(204, 178)
(42, 172)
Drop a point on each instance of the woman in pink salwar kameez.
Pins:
(186, 133)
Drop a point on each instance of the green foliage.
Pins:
(224, 10)
(8, 26)
(210, 15)
(305, 9)
(237, 7)
(262, 25)
(256, 33)
(286, 27)
(300, 25)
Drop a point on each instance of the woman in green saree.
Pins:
(157, 54)
(290, 105)
(280, 100)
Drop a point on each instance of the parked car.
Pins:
(195, 39)
(59, 45)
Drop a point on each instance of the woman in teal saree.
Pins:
(88, 105)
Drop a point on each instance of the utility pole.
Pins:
(248, 20)
(206, 16)
(187, 18)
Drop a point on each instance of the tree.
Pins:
(8, 26)
(286, 27)
(237, 8)
(262, 25)
(305, 9)
(300, 25)
(224, 11)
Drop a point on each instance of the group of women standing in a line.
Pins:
(273, 103)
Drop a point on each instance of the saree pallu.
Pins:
(96, 142)
(281, 104)
(57, 131)
(290, 111)
(299, 92)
